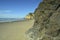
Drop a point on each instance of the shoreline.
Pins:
(17, 21)
(15, 30)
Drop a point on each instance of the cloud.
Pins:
(5, 11)
(9, 16)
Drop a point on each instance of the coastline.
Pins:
(15, 30)
(17, 21)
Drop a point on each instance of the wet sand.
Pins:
(15, 30)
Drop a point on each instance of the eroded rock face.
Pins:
(47, 21)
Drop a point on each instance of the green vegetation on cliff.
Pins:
(47, 21)
(30, 16)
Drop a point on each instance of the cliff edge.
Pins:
(47, 21)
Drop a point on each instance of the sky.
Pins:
(17, 8)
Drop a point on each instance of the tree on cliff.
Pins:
(31, 14)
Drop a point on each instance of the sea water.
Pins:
(10, 19)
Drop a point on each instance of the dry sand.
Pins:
(15, 30)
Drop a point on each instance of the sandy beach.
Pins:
(15, 30)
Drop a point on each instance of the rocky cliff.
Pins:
(47, 21)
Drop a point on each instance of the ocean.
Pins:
(10, 19)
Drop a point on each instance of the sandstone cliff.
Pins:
(47, 21)
(29, 16)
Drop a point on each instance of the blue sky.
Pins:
(17, 8)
